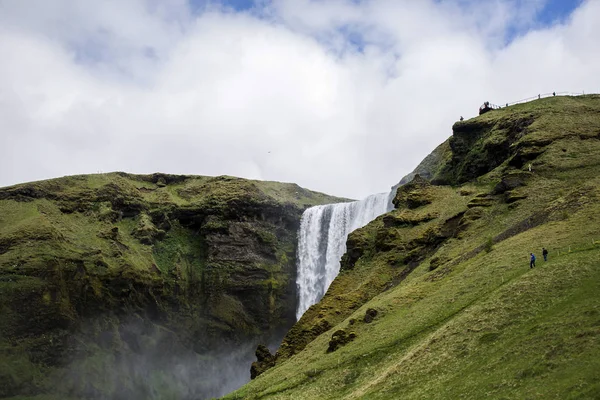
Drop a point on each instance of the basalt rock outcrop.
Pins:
(340, 338)
(264, 361)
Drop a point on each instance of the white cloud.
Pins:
(278, 94)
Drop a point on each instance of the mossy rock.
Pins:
(370, 315)
(414, 194)
(513, 196)
(473, 214)
(482, 144)
(146, 232)
(340, 338)
(486, 201)
(264, 361)
(436, 262)
(511, 181)
(407, 218)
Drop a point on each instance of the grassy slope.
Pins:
(487, 326)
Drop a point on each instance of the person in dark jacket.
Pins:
(532, 260)
(545, 253)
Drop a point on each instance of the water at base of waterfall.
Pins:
(322, 242)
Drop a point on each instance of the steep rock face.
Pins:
(151, 270)
(480, 146)
(413, 194)
(512, 139)
(264, 361)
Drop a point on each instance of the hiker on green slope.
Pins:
(545, 253)
(532, 261)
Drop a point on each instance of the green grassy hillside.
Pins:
(436, 299)
(112, 284)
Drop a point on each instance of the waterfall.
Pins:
(322, 242)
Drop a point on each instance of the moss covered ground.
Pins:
(460, 315)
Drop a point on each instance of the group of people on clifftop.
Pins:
(532, 257)
(487, 106)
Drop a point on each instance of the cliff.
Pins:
(143, 286)
(436, 299)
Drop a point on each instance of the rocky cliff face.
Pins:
(125, 286)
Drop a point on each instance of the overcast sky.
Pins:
(339, 96)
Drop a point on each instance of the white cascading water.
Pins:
(322, 242)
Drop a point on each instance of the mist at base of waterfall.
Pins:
(141, 360)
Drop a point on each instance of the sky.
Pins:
(340, 96)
